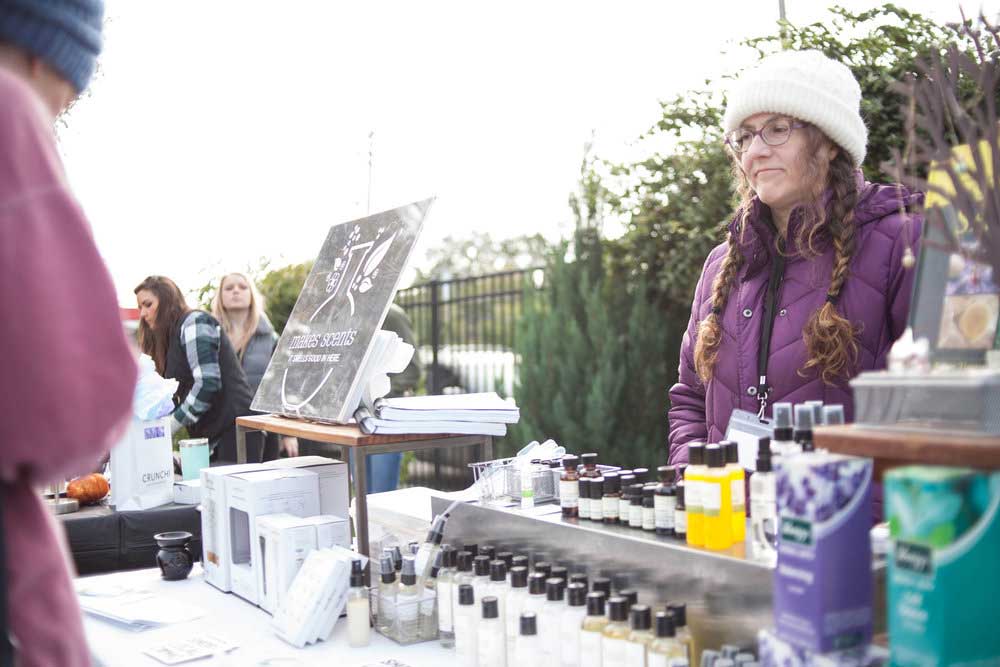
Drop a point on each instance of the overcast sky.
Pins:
(222, 131)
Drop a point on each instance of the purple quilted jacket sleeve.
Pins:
(687, 397)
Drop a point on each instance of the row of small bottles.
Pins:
(704, 502)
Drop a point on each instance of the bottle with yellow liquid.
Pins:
(737, 480)
(693, 477)
(716, 501)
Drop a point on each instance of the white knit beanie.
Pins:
(805, 85)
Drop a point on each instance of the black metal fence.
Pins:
(465, 329)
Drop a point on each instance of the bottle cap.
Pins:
(413, 547)
(781, 414)
(635, 494)
(498, 570)
(665, 624)
(388, 570)
(466, 596)
(473, 549)
(529, 623)
(666, 474)
(641, 616)
(559, 572)
(409, 574)
(576, 595)
(696, 453)
(544, 567)
(579, 578)
(595, 603)
(833, 415)
(450, 557)
(464, 561)
(436, 533)
(584, 487)
(507, 557)
(569, 462)
(648, 491)
(640, 474)
(540, 557)
(491, 608)
(764, 454)
(519, 560)
(596, 488)
(589, 459)
(817, 410)
(631, 595)
(803, 418)
(679, 610)
(518, 576)
(602, 584)
(714, 457)
(397, 558)
(481, 566)
(626, 481)
(731, 451)
(536, 583)
(488, 550)
(554, 464)
(612, 483)
(554, 589)
(618, 609)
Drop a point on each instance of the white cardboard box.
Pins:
(187, 492)
(333, 497)
(284, 541)
(252, 494)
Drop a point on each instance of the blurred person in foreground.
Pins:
(68, 380)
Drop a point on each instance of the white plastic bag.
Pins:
(154, 396)
(142, 466)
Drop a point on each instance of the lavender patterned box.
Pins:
(823, 581)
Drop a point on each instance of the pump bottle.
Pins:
(783, 443)
(359, 630)
(804, 427)
(408, 602)
(387, 588)
(430, 547)
(428, 599)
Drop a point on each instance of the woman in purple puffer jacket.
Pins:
(816, 259)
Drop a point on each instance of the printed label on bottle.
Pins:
(569, 493)
(590, 649)
(738, 491)
(609, 507)
(613, 651)
(692, 496)
(623, 509)
(656, 660)
(407, 607)
(664, 507)
(711, 498)
(680, 522)
(597, 510)
(584, 505)
(444, 609)
(648, 518)
(635, 516)
(635, 653)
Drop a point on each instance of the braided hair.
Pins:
(829, 337)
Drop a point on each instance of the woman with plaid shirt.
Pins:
(189, 346)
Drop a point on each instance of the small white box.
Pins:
(252, 494)
(283, 543)
(187, 492)
(334, 498)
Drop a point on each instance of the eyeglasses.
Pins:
(774, 133)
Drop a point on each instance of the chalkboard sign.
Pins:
(323, 349)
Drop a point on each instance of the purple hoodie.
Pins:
(875, 296)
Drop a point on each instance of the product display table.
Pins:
(239, 622)
(892, 447)
(104, 540)
(350, 440)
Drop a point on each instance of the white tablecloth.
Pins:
(243, 624)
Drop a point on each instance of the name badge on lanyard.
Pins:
(746, 429)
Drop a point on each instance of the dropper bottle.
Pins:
(641, 635)
(591, 632)
(738, 489)
(665, 647)
(783, 443)
(694, 478)
(804, 427)
(614, 638)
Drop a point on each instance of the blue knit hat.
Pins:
(66, 34)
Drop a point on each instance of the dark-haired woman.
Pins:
(189, 346)
(812, 284)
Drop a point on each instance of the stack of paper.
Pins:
(485, 414)
(135, 609)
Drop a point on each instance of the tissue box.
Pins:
(284, 541)
(823, 580)
(942, 579)
(253, 494)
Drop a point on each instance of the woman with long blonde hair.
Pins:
(811, 285)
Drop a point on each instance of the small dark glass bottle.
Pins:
(640, 474)
(680, 512)
(612, 495)
(589, 465)
(597, 499)
(569, 487)
(648, 507)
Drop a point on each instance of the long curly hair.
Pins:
(171, 308)
(830, 338)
